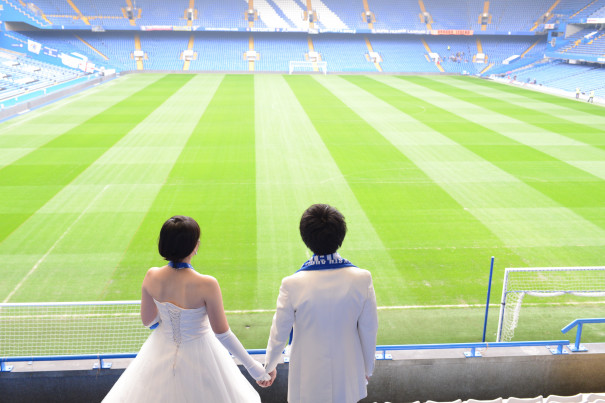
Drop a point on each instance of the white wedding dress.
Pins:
(182, 361)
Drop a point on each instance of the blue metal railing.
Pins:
(557, 348)
(100, 357)
(579, 323)
(558, 344)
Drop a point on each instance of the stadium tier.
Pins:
(510, 15)
(420, 36)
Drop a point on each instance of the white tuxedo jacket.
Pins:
(335, 322)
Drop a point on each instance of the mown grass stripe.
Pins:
(295, 170)
(569, 186)
(559, 110)
(36, 177)
(23, 134)
(575, 153)
(555, 124)
(496, 198)
(112, 196)
(539, 96)
(213, 180)
(415, 219)
(543, 173)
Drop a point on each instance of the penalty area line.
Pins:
(50, 250)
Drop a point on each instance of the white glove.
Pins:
(232, 343)
(154, 323)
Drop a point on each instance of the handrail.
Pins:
(100, 357)
(579, 323)
(473, 346)
(559, 344)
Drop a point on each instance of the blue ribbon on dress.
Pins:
(332, 261)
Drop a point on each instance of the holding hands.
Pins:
(266, 383)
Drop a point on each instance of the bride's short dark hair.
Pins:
(322, 229)
(178, 237)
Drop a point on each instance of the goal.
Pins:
(69, 328)
(544, 282)
(307, 67)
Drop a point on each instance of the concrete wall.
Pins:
(440, 375)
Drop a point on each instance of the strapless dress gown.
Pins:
(182, 361)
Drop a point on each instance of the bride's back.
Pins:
(181, 287)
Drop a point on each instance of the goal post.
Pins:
(307, 67)
(544, 282)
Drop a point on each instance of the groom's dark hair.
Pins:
(322, 228)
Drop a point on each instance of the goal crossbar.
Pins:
(586, 281)
(308, 66)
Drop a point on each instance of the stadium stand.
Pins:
(394, 31)
(218, 52)
(350, 13)
(577, 9)
(225, 13)
(277, 51)
(453, 15)
(344, 52)
(403, 53)
(516, 15)
(396, 15)
(19, 74)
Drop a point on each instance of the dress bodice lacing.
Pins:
(182, 325)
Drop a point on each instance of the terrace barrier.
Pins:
(556, 347)
(577, 347)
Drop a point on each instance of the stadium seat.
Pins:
(498, 400)
(564, 399)
(538, 399)
(593, 397)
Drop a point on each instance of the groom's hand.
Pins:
(266, 384)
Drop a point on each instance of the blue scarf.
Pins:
(332, 261)
(325, 262)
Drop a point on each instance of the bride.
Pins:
(183, 359)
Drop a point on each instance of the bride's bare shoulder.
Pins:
(207, 282)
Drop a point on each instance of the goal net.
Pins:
(544, 282)
(71, 328)
(308, 67)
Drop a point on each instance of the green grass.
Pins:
(434, 174)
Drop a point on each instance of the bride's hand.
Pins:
(266, 384)
(257, 371)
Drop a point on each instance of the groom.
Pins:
(329, 307)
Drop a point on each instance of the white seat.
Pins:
(453, 401)
(524, 400)
(498, 400)
(593, 397)
(564, 399)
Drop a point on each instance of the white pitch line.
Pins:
(39, 262)
(409, 307)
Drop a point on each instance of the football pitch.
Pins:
(434, 174)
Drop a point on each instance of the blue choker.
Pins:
(180, 265)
